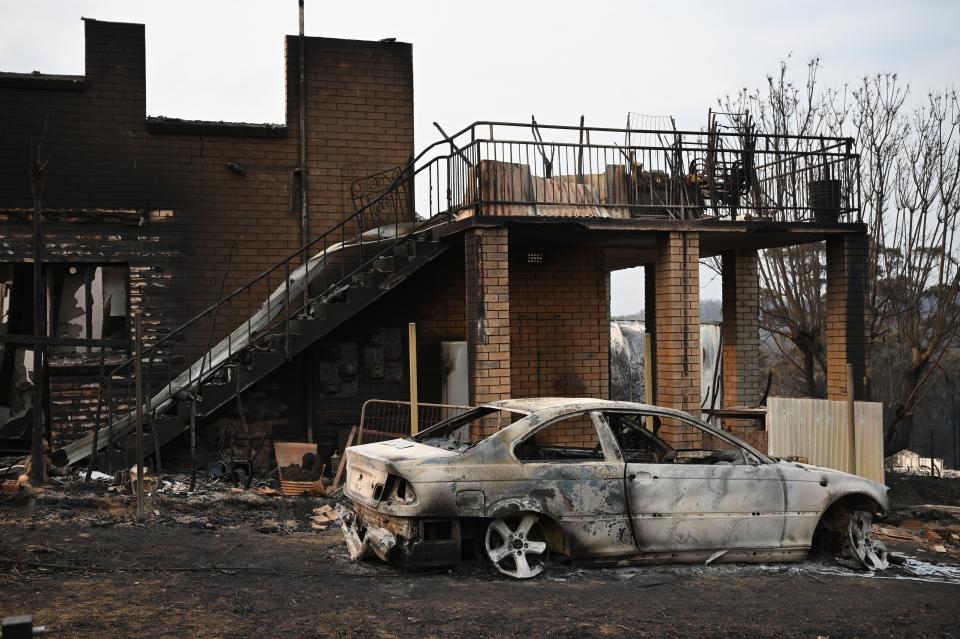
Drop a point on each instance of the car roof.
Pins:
(548, 408)
(561, 405)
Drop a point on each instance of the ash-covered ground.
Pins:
(217, 563)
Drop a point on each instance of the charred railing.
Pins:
(509, 169)
(382, 419)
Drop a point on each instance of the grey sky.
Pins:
(503, 60)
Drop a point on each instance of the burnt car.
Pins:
(520, 482)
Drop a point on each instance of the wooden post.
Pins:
(343, 458)
(648, 375)
(851, 420)
(138, 382)
(193, 441)
(414, 413)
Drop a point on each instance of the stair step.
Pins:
(307, 325)
(371, 279)
(406, 249)
(420, 247)
(427, 247)
(388, 263)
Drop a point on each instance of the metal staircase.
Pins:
(287, 308)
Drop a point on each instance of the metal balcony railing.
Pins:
(513, 169)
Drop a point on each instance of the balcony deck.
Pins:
(730, 174)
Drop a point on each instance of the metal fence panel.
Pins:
(382, 419)
(817, 430)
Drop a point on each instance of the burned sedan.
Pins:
(522, 481)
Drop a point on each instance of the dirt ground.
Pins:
(226, 565)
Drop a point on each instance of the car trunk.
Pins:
(369, 465)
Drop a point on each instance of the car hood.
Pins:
(819, 470)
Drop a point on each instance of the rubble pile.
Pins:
(927, 527)
(109, 501)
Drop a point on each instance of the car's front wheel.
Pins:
(516, 546)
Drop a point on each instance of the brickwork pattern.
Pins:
(740, 357)
(441, 311)
(677, 333)
(560, 323)
(754, 437)
(487, 288)
(650, 316)
(576, 432)
(847, 259)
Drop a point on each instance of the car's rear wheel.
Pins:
(516, 546)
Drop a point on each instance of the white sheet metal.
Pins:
(817, 429)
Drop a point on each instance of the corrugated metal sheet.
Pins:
(817, 429)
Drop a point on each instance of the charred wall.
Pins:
(156, 194)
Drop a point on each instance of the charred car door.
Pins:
(573, 467)
(710, 495)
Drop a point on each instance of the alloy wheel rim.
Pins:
(514, 546)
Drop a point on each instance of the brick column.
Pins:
(650, 318)
(677, 332)
(488, 313)
(847, 257)
(741, 329)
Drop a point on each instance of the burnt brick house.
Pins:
(498, 242)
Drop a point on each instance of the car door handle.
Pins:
(641, 476)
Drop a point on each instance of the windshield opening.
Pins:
(463, 431)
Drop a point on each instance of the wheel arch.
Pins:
(832, 525)
(836, 515)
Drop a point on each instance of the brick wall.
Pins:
(847, 260)
(577, 431)
(193, 212)
(487, 288)
(650, 319)
(441, 299)
(677, 332)
(740, 358)
(559, 323)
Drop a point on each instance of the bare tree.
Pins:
(910, 187)
(792, 278)
(881, 129)
(920, 278)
